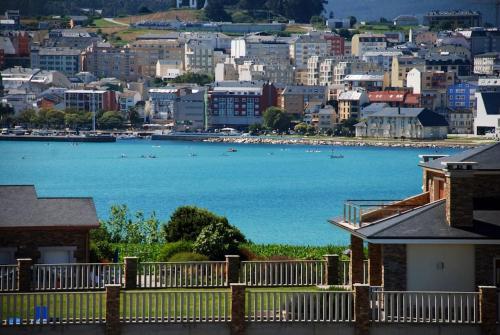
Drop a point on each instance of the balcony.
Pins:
(360, 213)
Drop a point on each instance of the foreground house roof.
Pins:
(428, 222)
(20, 207)
(487, 158)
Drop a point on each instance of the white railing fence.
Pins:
(425, 307)
(344, 272)
(52, 308)
(76, 276)
(315, 306)
(182, 274)
(176, 306)
(283, 273)
(8, 278)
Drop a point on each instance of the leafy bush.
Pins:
(170, 249)
(101, 251)
(217, 240)
(188, 257)
(187, 222)
(274, 251)
(145, 252)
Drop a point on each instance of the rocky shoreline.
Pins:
(352, 143)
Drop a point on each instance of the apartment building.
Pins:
(401, 65)
(362, 43)
(294, 98)
(382, 58)
(199, 57)
(421, 81)
(63, 59)
(239, 104)
(91, 100)
(453, 18)
(306, 46)
(350, 103)
(369, 82)
(260, 47)
(487, 64)
(148, 52)
(189, 111)
(105, 61)
(461, 96)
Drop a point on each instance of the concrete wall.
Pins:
(253, 329)
(423, 329)
(440, 268)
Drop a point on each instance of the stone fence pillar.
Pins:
(362, 309)
(375, 264)
(332, 269)
(237, 309)
(357, 261)
(131, 264)
(232, 269)
(113, 309)
(24, 274)
(488, 301)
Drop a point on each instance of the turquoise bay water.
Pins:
(274, 194)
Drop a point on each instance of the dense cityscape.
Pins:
(148, 181)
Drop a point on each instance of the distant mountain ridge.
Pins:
(375, 9)
(362, 9)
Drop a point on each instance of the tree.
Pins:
(134, 117)
(352, 20)
(110, 120)
(144, 10)
(317, 21)
(194, 78)
(54, 118)
(215, 11)
(217, 240)
(346, 127)
(186, 223)
(276, 119)
(6, 111)
(301, 128)
(345, 33)
(27, 117)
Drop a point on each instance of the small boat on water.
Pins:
(232, 150)
(192, 155)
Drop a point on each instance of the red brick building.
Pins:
(47, 230)
(337, 44)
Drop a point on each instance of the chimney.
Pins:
(459, 190)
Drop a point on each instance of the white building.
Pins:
(487, 64)
(169, 69)
(487, 119)
(391, 122)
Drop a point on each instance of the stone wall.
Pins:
(485, 255)
(394, 267)
(27, 241)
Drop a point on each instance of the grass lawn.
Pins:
(169, 304)
(101, 23)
